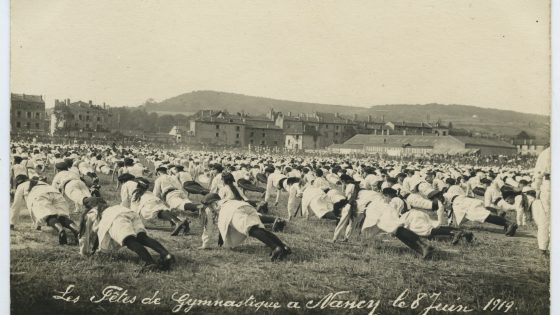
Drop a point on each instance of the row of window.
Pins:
(28, 114)
(28, 125)
(336, 127)
(237, 128)
(87, 118)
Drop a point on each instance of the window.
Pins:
(217, 127)
(76, 125)
(37, 125)
(18, 124)
(336, 127)
(80, 117)
(98, 118)
(217, 134)
(264, 135)
(28, 125)
(37, 115)
(262, 142)
(251, 141)
(237, 128)
(326, 126)
(251, 134)
(236, 141)
(28, 114)
(99, 127)
(336, 133)
(87, 118)
(275, 142)
(87, 126)
(19, 113)
(237, 136)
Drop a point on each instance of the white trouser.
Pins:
(541, 215)
(416, 201)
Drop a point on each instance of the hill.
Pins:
(477, 119)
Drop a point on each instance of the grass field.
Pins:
(376, 271)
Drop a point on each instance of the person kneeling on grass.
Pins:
(136, 196)
(420, 222)
(237, 220)
(381, 216)
(108, 228)
(46, 205)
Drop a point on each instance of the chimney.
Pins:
(369, 118)
(67, 101)
(89, 102)
(290, 114)
(104, 106)
(355, 117)
(336, 115)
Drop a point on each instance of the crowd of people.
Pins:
(231, 191)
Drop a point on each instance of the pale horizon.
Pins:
(359, 54)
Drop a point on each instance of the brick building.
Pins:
(80, 119)
(217, 128)
(27, 115)
(326, 128)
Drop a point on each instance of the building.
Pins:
(302, 139)
(80, 119)
(179, 132)
(398, 145)
(217, 128)
(529, 145)
(323, 128)
(260, 131)
(28, 115)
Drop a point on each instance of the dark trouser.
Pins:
(330, 216)
(497, 220)
(267, 237)
(443, 230)
(247, 185)
(167, 215)
(54, 222)
(267, 219)
(195, 188)
(137, 243)
(410, 239)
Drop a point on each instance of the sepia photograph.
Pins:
(278, 157)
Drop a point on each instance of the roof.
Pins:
(455, 151)
(393, 141)
(262, 125)
(531, 141)
(346, 146)
(27, 98)
(411, 124)
(486, 142)
(217, 116)
(319, 117)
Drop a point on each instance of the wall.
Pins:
(264, 137)
(219, 133)
(28, 118)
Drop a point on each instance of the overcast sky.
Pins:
(486, 53)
